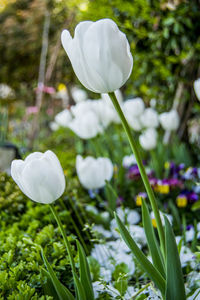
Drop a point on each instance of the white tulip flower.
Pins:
(92, 172)
(134, 107)
(148, 139)
(86, 126)
(149, 118)
(100, 55)
(63, 118)
(40, 176)
(197, 88)
(79, 95)
(82, 108)
(169, 120)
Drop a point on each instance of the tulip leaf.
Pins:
(152, 241)
(175, 284)
(146, 265)
(62, 292)
(79, 288)
(85, 273)
(111, 196)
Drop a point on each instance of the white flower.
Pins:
(104, 112)
(106, 99)
(133, 217)
(63, 118)
(128, 161)
(86, 126)
(148, 139)
(149, 118)
(169, 120)
(133, 107)
(92, 172)
(6, 91)
(54, 126)
(138, 234)
(39, 176)
(169, 217)
(100, 55)
(79, 95)
(197, 88)
(189, 234)
(81, 108)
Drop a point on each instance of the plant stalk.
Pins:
(143, 174)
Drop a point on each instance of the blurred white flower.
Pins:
(79, 95)
(148, 139)
(169, 120)
(128, 161)
(81, 108)
(93, 172)
(54, 126)
(6, 91)
(197, 88)
(149, 118)
(169, 217)
(100, 55)
(40, 176)
(133, 217)
(138, 234)
(189, 234)
(104, 112)
(134, 107)
(63, 118)
(106, 99)
(86, 126)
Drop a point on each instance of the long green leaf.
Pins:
(62, 292)
(156, 277)
(85, 273)
(48, 286)
(79, 288)
(111, 196)
(152, 241)
(175, 284)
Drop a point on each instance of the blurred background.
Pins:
(36, 77)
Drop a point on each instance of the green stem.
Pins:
(65, 238)
(75, 227)
(142, 170)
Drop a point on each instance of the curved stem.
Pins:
(65, 238)
(142, 170)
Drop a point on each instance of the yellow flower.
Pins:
(163, 188)
(181, 201)
(62, 87)
(167, 165)
(138, 200)
(154, 223)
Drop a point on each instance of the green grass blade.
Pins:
(62, 292)
(152, 272)
(85, 273)
(152, 241)
(175, 288)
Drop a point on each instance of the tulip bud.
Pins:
(100, 55)
(40, 176)
(148, 139)
(92, 172)
(169, 120)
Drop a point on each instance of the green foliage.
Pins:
(22, 223)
